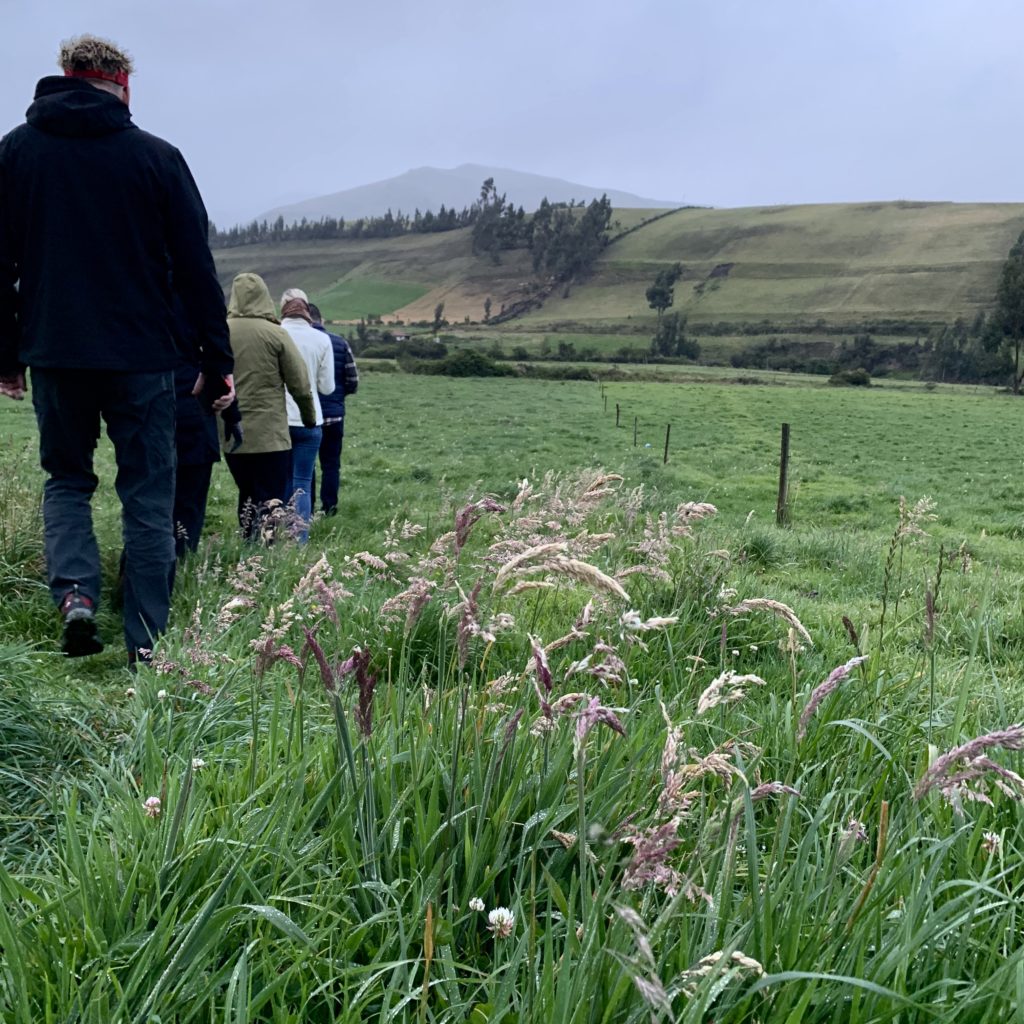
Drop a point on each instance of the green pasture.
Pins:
(844, 264)
(352, 298)
(773, 853)
(411, 441)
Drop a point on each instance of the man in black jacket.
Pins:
(100, 224)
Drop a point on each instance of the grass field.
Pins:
(355, 297)
(841, 264)
(756, 847)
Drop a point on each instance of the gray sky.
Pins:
(717, 102)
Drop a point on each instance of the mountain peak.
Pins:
(429, 188)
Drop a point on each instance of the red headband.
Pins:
(117, 77)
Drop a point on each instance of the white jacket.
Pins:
(315, 348)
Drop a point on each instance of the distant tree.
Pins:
(438, 317)
(487, 309)
(661, 294)
(1008, 316)
(670, 339)
(540, 233)
(487, 227)
(362, 334)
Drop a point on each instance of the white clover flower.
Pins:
(735, 652)
(152, 806)
(161, 694)
(130, 692)
(197, 763)
(476, 904)
(991, 842)
(501, 922)
(854, 832)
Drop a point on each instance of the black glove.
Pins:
(233, 434)
(233, 437)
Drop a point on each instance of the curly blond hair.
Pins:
(91, 53)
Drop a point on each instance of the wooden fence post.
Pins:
(616, 414)
(668, 430)
(782, 505)
(634, 431)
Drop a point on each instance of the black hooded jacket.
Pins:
(97, 219)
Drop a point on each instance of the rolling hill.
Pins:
(840, 265)
(428, 188)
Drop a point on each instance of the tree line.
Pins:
(564, 239)
(390, 225)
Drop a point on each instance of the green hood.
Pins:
(250, 297)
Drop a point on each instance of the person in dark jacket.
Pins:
(196, 442)
(100, 225)
(197, 448)
(346, 378)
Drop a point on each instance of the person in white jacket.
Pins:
(315, 348)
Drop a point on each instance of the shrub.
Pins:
(413, 348)
(859, 378)
(466, 362)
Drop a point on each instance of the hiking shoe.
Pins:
(81, 636)
(139, 656)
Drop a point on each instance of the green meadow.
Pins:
(543, 727)
(843, 265)
(353, 298)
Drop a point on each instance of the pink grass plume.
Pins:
(835, 677)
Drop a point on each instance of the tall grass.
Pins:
(347, 756)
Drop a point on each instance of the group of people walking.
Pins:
(291, 377)
(109, 296)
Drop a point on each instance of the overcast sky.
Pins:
(716, 102)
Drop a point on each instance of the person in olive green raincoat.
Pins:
(266, 363)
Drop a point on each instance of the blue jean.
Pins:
(305, 446)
